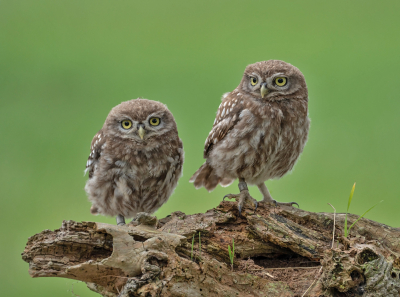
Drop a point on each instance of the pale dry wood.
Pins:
(154, 260)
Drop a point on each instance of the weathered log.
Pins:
(279, 251)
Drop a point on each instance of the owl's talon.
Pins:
(230, 196)
(287, 203)
(240, 207)
(243, 198)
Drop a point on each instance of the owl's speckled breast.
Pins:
(264, 144)
(130, 180)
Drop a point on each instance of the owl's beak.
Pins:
(263, 90)
(141, 131)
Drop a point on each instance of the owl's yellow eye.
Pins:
(280, 81)
(253, 81)
(126, 124)
(154, 121)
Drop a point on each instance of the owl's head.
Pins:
(140, 120)
(273, 80)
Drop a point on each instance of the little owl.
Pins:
(135, 160)
(259, 132)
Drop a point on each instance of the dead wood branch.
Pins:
(277, 251)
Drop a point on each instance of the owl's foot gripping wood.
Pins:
(243, 196)
(286, 203)
(268, 198)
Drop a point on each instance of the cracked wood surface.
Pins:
(278, 252)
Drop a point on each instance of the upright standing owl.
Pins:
(135, 161)
(259, 132)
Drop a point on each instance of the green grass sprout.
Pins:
(231, 252)
(364, 215)
(347, 231)
(347, 211)
(200, 243)
(191, 254)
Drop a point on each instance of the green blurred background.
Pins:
(65, 64)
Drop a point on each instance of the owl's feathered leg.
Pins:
(243, 196)
(268, 198)
(120, 220)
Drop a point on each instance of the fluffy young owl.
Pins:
(135, 160)
(259, 132)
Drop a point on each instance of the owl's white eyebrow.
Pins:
(124, 117)
(279, 74)
(155, 115)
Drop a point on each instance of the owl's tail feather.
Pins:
(225, 182)
(205, 177)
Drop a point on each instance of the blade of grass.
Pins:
(233, 249)
(364, 214)
(346, 233)
(230, 256)
(200, 243)
(231, 252)
(351, 197)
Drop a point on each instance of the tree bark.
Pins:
(278, 251)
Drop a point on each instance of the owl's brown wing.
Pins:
(95, 152)
(226, 119)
